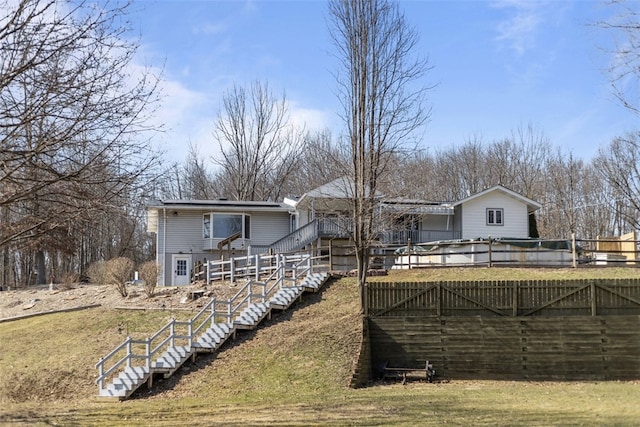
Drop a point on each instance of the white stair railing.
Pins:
(286, 267)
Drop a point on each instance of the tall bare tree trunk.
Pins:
(374, 45)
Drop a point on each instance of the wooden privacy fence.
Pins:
(504, 298)
(538, 329)
(567, 348)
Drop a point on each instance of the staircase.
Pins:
(135, 362)
(309, 233)
(294, 241)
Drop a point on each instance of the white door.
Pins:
(181, 270)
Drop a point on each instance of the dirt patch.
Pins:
(44, 299)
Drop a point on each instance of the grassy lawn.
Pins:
(293, 370)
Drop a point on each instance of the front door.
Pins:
(181, 270)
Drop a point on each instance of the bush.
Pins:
(97, 273)
(119, 273)
(69, 280)
(149, 273)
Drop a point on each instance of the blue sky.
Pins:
(497, 65)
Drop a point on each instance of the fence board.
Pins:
(540, 348)
(504, 298)
(542, 330)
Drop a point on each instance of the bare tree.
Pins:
(260, 146)
(619, 165)
(381, 99)
(519, 161)
(322, 161)
(72, 123)
(624, 70)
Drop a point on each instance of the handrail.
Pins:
(228, 240)
(297, 239)
(296, 264)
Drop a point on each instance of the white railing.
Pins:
(286, 268)
(164, 338)
(252, 266)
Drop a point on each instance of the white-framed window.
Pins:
(495, 216)
(223, 225)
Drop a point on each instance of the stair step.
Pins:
(212, 338)
(221, 329)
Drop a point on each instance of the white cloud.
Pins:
(309, 118)
(187, 117)
(519, 29)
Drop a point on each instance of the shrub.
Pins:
(69, 280)
(97, 273)
(149, 272)
(119, 273)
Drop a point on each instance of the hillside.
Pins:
(51, 358)
(293, 370)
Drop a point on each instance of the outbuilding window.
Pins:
(495, 216)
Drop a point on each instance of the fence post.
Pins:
(101, 374)
(172, 332)
(294, 271)
(366, 299)
(409, 253)
(594, 303)
(490, 261)
(232, 269)
(147, 351)
(574, 262)
(330, 254)
(208, 271)
(128, 352)
(257, 267)
(213, 311)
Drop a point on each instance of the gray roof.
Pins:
(220, 204)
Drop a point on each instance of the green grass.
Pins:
(293, 370)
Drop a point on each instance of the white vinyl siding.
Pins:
(184, 231)
(266, 228)
(437, 222)
(515, 220)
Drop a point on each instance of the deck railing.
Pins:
(572, 252)
(402, 237)
(253, 266)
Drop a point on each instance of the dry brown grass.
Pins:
(506, 273)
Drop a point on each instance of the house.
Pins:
(496, 212)
(189, 231)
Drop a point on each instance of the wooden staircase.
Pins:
(135, 362)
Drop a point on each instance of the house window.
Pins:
(495, 216)
(206, 226)
(221, 226)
